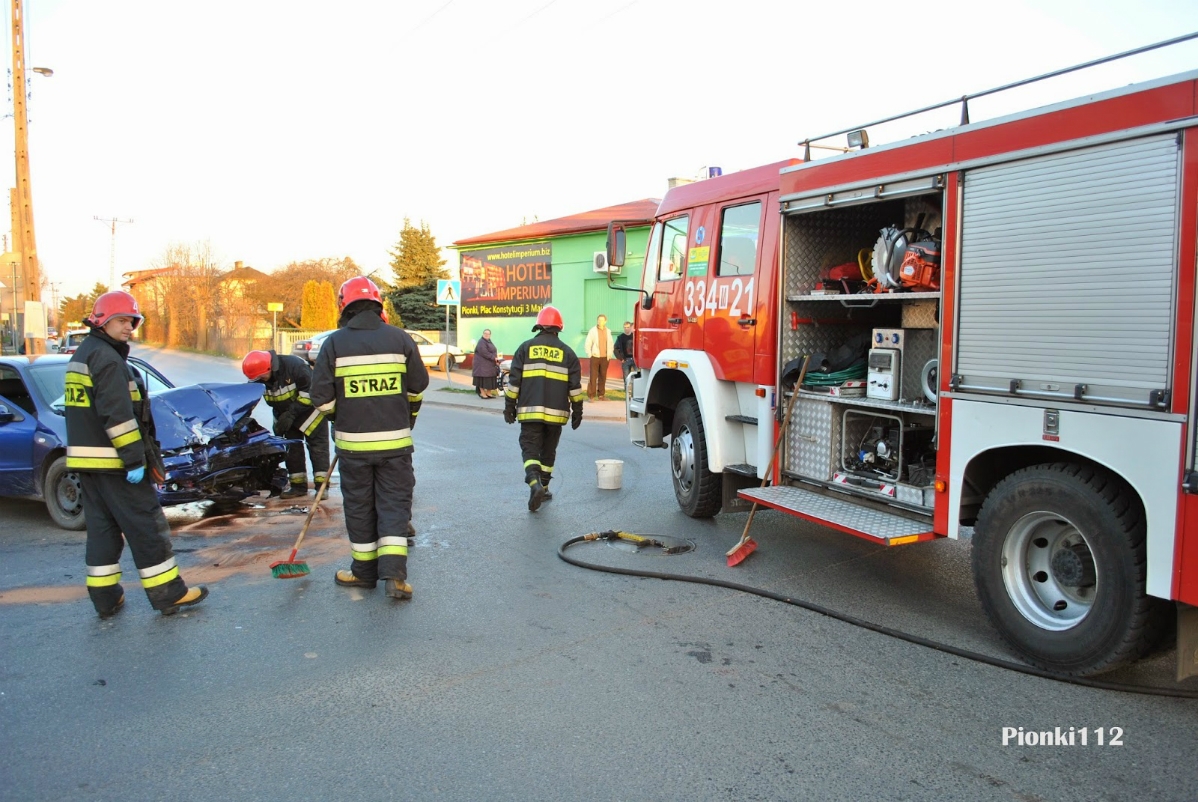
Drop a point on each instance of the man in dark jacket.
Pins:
(623, 350)
(288, 381)
(109, 445)
(545, 379)
(369, 379)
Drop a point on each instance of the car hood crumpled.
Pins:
(197, 414)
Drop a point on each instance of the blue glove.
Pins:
(135, 476)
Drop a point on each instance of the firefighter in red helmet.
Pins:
(288, 381)
(111, 447)
(544, 391)
(370, 381)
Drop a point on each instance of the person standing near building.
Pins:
(486, 366)
(623, 350)
(288, 381)
(544, 380)
(370, 381)
(599, 348)
(110, 446)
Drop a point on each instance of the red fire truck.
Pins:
(1000, 319)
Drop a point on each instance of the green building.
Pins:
(507, 276)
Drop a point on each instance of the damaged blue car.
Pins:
(212, 448)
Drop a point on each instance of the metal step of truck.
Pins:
(865, 522)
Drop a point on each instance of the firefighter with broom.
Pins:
(545, 379)
(288, 381)
(370, 381)
(111, 448)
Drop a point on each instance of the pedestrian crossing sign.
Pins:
(449, 293)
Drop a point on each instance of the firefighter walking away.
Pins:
(288, 381)
(544, 391)
(369, 381)
(111, 447)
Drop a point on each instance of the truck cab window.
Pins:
(739, 239)
(673, 251)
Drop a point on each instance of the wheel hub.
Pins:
(1073, 566)
(1048, 570)
(682, 459)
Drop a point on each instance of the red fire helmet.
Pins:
(358, 288)
(256, 365)
(548, 317)
(114, 304)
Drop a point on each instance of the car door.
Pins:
(16, 449)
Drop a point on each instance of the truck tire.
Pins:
(64, 496)
(1059, 562)
(696, 488)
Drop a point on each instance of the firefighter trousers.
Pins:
(112, 506)
(318, 453)
(538, 447)
(376, 495)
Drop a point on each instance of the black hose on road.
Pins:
(857, 622)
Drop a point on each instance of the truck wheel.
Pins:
(696, 488)
(64, 496)
(1059, 562)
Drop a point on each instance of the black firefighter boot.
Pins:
(295, 491)
(545, 477)
(536, 490)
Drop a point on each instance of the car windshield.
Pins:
(419, 338)
(49, 382)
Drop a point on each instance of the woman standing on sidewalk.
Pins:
(486, 366)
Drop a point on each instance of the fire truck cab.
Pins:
(998, 320)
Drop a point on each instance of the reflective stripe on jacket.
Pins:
(103, 408)
(545, 379)
(369, 375)
(287, 391)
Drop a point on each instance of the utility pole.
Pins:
(112, 248)
(22, 194)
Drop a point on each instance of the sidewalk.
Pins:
(458, 391)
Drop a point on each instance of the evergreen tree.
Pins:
(416, 260)
(319, 309)
(417, 307)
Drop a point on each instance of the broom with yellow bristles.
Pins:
(290, 568)
(747, 545)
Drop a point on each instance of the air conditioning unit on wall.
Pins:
(601, 265)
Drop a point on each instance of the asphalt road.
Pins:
(513, 675)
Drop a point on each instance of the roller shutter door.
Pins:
(1067, 274)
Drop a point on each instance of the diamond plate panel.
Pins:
(921, 345)
(809, 439)
(920, 314)
(815, 241)
(837, 512)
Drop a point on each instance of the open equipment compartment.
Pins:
(826, 432)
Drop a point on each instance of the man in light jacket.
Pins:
(599, 347)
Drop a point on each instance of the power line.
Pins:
(112, 221)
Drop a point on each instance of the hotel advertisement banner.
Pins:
(509, 281)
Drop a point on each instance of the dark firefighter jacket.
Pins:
(106, 410)
(545, 380)
(370, 380)
(288, 392)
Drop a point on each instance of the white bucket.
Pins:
(611, 472)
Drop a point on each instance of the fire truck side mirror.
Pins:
(617, 245)
(647, 302)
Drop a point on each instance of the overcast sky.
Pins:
(287, 130)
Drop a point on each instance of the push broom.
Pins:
(747, 545)
(290, 568)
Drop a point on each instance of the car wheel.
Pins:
(64, 496)
(445, 362)
(697, 489)
(1059, 562)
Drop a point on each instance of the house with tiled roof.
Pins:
(508, 276)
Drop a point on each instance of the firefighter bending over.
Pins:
(544, 391)
(288, 380)
(110, 445)
(370, 381)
